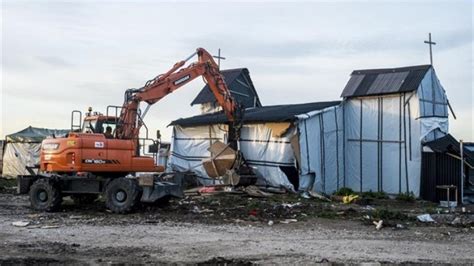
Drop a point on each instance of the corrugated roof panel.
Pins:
(384, 81)
(413, 80)
(387, 83)
(365, 84)
(352, 85)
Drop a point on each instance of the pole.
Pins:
(219, 57)
(461, 146)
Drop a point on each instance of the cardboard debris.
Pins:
(222, 159)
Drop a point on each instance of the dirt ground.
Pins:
(227, 229)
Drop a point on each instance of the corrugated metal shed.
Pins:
(241, 86)
(448, 144)
(384, 81)
(273, 113)
(438, 169)
(442, 167)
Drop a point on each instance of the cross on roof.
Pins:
(430, 43)
(219, 57)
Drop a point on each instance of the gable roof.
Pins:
(240, 85)
(384, 81)
(272, 113)
(35, 134)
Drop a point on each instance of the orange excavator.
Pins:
(102, 153)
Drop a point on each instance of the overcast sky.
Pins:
(61, 56)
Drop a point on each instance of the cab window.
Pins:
(89, 126)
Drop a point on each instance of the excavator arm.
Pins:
(129, 123)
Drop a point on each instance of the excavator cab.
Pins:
(94, 122)
(98, 124)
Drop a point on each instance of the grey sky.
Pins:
(60, 56)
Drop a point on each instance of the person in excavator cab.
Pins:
(108, 133)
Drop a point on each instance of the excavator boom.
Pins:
(155, 89)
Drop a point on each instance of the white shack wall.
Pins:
(382, 143)
(321, 146)
(189, 147)
(263, 152)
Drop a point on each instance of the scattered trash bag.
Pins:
(425, 218)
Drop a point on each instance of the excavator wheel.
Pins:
(45, 196)
(122, 195)
(84, 199)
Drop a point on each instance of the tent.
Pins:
(267, 142)
(23, 148)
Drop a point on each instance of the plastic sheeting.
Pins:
(384, 135)
(189, 147)
(266, 154)
(263, 152)
(382, 144)
(18, 156)
(433, 108)
(35, 134)
(320, 140)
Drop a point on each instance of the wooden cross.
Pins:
(430, 43)
(219, 57)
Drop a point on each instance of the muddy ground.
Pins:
(235, 229)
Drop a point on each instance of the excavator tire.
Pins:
(122, 195)
(45, 196)
(84, 199)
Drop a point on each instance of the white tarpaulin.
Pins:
(321, 139)
(382, 144)
(264, 152)
(433, 108)
(18, 156)
(189, 147)
(23, 149)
